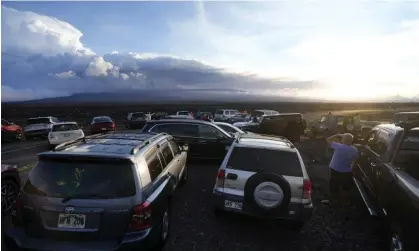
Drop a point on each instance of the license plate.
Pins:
(103, 129)
(71, 220)
(233, 204)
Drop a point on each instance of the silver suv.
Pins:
(105, 192)
(264, 176)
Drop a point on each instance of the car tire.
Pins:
(256, 180)
(164, 229)
(184, 177)
(9, 192)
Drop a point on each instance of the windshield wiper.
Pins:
(84, 196)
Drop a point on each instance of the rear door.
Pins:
(67, 200)
(182, 133)
(211, 144)
(179, 157)
(246, 161)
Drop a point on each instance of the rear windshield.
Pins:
(86, 179)
(38, 121)
(265, 160)
(64, 127)
(138, 115)
(183, 113)
(102, 119)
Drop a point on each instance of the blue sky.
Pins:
(341, 47)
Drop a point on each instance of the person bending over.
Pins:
(341, 164)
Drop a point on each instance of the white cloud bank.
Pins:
(349, 51)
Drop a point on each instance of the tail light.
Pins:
(220, 178)
(113, 125)
(140, 218)
(307, 189)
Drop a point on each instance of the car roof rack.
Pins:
(146, 142)
(83, 140)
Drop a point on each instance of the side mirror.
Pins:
(11, 123)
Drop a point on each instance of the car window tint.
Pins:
(58, 178)
(166, 153)
(182, 130)
(175, 147)
(210, 132)
(38, 121)
(64, 127)
(407, 157)
(227, 128)
(154, 164)
(266, 160)
(102, 119)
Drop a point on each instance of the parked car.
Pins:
(103, 192)
(387, 177)
(405, 117)
(223, 115)
(178, 117)
(10, 187)
(264, 176)
(230, 128)
(136, 120)
(39, 127)
(64, 132)
(204, 139)
(349, 123)
(10, 131)
(239, 117)
(184, 113)
(102, 124)
(289, 125)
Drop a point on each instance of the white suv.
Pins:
(264, 176)
(224, 114)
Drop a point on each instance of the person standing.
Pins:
(343, 159)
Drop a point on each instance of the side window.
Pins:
(154, 164)
(175, 147)
(227, 128)
(166, 153)
(208, 132)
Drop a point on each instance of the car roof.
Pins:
(66, 123)
(265, 141)
(191, 121)
(100, 117)
(118, 145)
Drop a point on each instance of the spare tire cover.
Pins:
(265, 192)
(268, 195)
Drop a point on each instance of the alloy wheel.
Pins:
(9, 193)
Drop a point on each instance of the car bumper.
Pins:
(295, 211)
(37, 133)
(16, 239)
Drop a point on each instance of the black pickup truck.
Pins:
(387, 177)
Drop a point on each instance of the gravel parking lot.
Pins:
(195, 227)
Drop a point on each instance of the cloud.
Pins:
(34, 33)
(322, 49)
(355, 48)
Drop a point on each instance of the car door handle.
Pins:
(231, 176)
